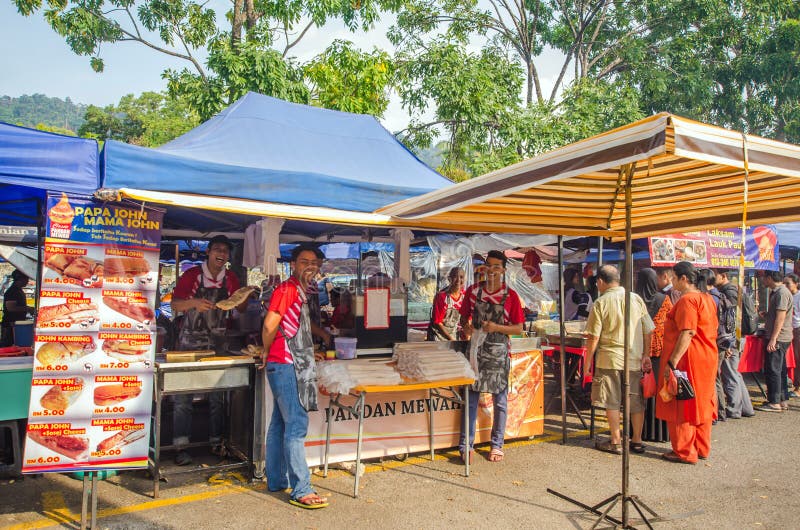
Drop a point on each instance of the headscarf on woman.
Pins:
(647, 288)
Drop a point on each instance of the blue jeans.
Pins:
(500, 407)
(286, 437)
(182, 418)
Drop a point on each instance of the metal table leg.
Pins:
(467, 450)
(157, 437)
(327, 436)
(430, 423)
(360, 411)
(94, 499)
(84, 500)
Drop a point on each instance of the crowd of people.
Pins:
(682, 323)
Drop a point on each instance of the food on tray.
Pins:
(74, 447)
(52, 353)
(125, 350)
(700, 251)
(120, 439)
(663, 250)
(688, 253)
(236, 299)
(135, 310)
(81, 268)
(253, 351)
(116, 393)
(62, 213)
(126, 267)
(59, 399)
(69, 312)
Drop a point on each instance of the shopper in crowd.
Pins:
(446, 314)
(658, 305)
(792, 282)
(665, 283)
(726, 338)
(605, 349)
(195, 296)
(290, 364)
(737, 397)
(690, 345)
(778, 327)
(577, 302)
(490, 314)
(15, 307)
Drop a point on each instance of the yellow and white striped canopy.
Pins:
(687, 176)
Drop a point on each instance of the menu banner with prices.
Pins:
(719, 249)
(94, 346)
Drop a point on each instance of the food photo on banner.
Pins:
(94, 346)
(719, 248)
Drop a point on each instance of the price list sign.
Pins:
(95, 338)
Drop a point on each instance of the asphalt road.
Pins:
(750, 481)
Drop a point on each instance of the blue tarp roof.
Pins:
(266, 149)
(32, 162)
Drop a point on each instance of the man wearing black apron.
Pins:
(446, 315)
(291, 372)
(490, 314)
(195, 295)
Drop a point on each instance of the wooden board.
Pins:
(187, 356)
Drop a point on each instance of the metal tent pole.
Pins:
(563, 371)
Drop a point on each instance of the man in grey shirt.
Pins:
(778, 319)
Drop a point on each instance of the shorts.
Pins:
(607, 389)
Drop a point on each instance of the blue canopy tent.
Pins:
(33, 162)
(262, 155)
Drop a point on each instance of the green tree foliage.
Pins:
(36, 109)
(150, 120)
(246, 48)
(350, 80)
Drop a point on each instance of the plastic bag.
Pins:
(475, 343)
(648, 385)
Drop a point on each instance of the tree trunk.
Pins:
(237, 22)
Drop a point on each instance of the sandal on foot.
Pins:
(496, 455)
(464, 456)
(312, 501)
(672, 456)
(637, 447)
(608, 447)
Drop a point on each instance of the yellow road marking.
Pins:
(57, 512)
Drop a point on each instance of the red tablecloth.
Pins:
(580, 352)
(752, 359)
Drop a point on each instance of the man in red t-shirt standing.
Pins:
(291, 372)
(195, 296)
(491, 312)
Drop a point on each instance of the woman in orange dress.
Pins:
(658, 306)
(690, 345)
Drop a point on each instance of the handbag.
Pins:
(648, 385)
(684, 387)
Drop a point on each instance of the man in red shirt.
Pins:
(291, 371)
(491, 312)
(195, 296)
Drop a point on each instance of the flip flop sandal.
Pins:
(608, 447)
(464, 456)
(637, 448)
(309, 505)
(673, 457)
(496, 455)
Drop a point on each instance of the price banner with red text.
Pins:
(94, 349)
(719, 249)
